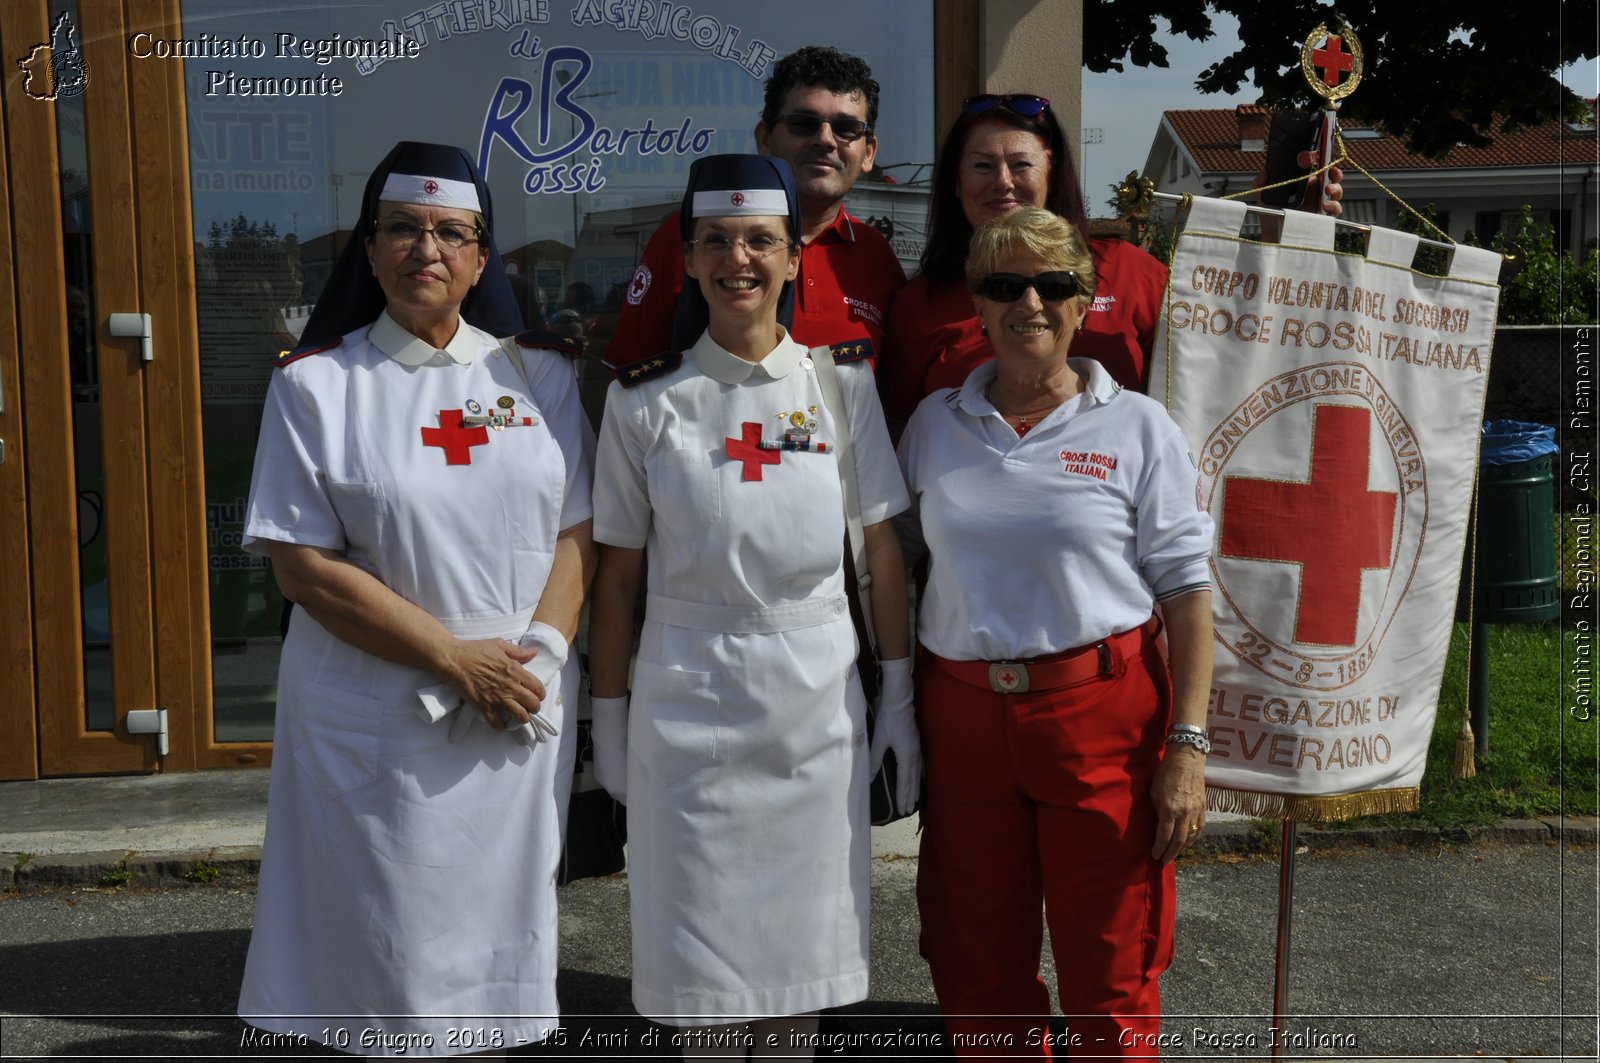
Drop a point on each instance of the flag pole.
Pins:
(1280, 984)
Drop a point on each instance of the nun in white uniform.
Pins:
(741, 750)
(422, 489)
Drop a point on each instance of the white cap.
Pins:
(430, 191)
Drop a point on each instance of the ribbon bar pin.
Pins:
(496, 421)
(804, 445)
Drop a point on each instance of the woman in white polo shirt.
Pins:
(1063, 766)
(422, 489)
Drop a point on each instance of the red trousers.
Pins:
(1042, 800)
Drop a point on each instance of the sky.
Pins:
(1127, 107)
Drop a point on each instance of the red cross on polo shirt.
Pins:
(744, 449)
(1332, 60)
(1332, 525)
(456, 441)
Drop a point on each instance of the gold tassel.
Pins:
(1466, 748)
(1313, 809)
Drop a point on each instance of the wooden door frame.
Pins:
(157, 553)
(182, 598)
(18, 730)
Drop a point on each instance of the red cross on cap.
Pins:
(431, 187)
(738, 199)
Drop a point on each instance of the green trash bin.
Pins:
(1516, 571)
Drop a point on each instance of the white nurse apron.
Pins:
(407, 902)
(748, 833)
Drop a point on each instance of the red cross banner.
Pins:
(1332, 402)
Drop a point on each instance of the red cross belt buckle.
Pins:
(1008, 677)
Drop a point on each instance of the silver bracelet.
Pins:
(1185, 737)
(1193, 729)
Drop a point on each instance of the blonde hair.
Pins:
(1044, 234)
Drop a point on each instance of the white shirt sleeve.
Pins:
(908, 523)
(621, 493)
(289, 500)
(1173, 532)
(554, 383)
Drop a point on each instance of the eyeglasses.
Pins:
(1052, 287)
(1020, 104)
(450, 237)
(758, 246)
(845, 128)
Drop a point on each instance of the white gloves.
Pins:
(895, 728)
(545, 667)
(608, 728)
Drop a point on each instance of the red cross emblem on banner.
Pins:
(1332, 525)
(456, 440)
(744, 449)
(1332, 60)
(432, 187)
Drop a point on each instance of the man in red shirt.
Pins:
(818, 115)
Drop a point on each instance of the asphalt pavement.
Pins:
(123, 934)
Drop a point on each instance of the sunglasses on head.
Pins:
(845, 128)
(1020, 104)
(1052, 287)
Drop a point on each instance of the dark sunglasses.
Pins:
(1052, 287)
(845, 128)
(1020, 104)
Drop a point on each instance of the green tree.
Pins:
(1541, 286)
(1436, 73)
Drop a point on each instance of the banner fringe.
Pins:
(1312, 809)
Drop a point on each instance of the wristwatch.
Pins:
(1187, 734)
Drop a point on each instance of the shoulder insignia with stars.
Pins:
(550, 341)
(852, 351)
(637, 373)
(284, 358)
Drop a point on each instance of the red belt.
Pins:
(1102, 660)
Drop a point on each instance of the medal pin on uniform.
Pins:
(473, 406)
(798, 427)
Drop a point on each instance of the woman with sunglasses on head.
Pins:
(1003, 152)
(1064, 768)
(741, 749)
(422, 491)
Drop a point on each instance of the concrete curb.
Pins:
(236, 866)
(229, 865)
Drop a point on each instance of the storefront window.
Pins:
(585, 117)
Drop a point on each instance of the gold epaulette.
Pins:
(636, 373)
(284, 358)
(550, 341)
(852, 351)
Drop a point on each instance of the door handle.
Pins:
(134, 325)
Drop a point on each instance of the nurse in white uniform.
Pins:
(741, 750)
(422, 489)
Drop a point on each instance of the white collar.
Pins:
(727, 368)
(391, 337)
(1099, 387)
